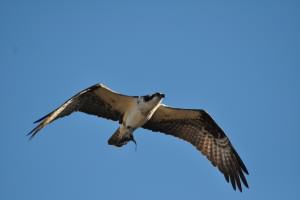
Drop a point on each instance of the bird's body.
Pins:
(137, 114)
(140, 111)
(192, 125)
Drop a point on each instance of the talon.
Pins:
(133, 140)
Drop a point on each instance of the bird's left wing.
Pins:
(199, 129)
(96, 100)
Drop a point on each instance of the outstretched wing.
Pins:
(199, 129)
(96, 100)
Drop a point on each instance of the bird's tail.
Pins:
(115, 138)
(119, 139)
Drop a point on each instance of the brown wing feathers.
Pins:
(91, 101)
(206, 136)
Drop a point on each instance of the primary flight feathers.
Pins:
(192, 125)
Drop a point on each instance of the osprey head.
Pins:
(157, 96)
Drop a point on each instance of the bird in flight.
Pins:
(192, 125)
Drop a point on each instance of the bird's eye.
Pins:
(128, 127)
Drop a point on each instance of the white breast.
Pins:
(139, 113)
(134, 118)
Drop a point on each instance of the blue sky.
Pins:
(237, 60)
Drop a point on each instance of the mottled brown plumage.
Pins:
(199, 129)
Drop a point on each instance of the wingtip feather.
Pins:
(41, 119)
(34, 131)
(241, 163)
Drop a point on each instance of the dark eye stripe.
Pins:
(147, 98)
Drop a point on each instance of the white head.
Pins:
(156, 97)
(148, 102)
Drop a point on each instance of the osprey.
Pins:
(192, 125)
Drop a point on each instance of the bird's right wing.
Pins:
(96, 100)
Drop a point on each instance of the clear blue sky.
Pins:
(238, 60)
